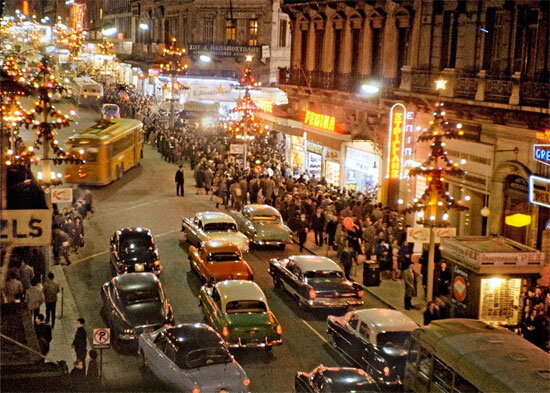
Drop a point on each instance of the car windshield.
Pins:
(136, 241)
(397, 339)
(348, 382)
(323, 276)
(224, 257)
(204, 357)
(220, 227)
(266, 218)
(144, 296)
(245, 306)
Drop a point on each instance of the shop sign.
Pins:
(26, 227)
(78, 15)
(201, 107)
(422, 235)
(408, 145)
(544, 136)
(314, 165)
(361, 161)
(541, 153)
(223, 50)
(332, 155)
(236, 148)
(395, 145)
(319, 120)
(297, 141)
(478, 156)
(539, 190)
(314, 148)
(266, 106)
(460, 287)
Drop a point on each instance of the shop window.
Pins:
(230, 31)
(253, 32)
(283, 25)
(209, 30)
(442, 375)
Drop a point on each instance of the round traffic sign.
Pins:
(102, 336)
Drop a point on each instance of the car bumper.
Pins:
(260, 242)
(253, 344)
(334, 303)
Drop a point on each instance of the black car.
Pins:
(134, 250)
(316, 281)
(134, 303)
(334, 380)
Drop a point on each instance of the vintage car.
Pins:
(238, 310)
(263, 225)
(316, 281)
(134, 303)
(213, 226)
(376, 339)
(219, 260)
(192, 357)
(134, 250)
(334, 380)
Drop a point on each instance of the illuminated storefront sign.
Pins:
(541, 153)
(266, 106)
(408, 145)
(539, 190)
(319, 120)
(395, 145)
(78, 15)
(544, 136)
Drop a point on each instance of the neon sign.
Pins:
(395, 144)
(319, 120)
(78, 15)
(544, 136)
(539, 190)
(541, 153)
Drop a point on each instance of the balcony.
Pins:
(482, 87)
(321, 80)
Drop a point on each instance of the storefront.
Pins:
(332, 166)
(314, 160)
(297, 155)
(361, 167)
(488, 274)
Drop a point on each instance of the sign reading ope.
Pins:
(102, 338)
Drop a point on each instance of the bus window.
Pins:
(463, 386)
(442, 375)
(424, 364)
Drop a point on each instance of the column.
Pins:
(415, 35)
(327, 64)
(389, 54)
(345, 53)
(366, 48)
(310, 53)
(296, 45)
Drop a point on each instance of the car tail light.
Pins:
(360, 293)
(279, 330)
(246, 382)
(312, 294)
(196, 390)
(225, 331)
(157, 263)
(386, 371)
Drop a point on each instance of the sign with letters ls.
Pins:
(26, 227)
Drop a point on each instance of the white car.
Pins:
(213, 226)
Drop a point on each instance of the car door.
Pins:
(288, 276)
(170, 370)
(156, 358)
(346, 338)
(202, 263)
(192, 231)
(362, 335)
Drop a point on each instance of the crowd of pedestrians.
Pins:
(535, 324)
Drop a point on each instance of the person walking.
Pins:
(179, 179)
(43, 334)
(301, 230)
(347, 258)
(80, 341)
(318, 226)
(409, 279)
(61, 243)
(51, 289)
(13, 290)
(34, 296)
(26, 273)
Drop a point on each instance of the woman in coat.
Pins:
(409, 279)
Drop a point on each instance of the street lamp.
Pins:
(143, 26)
(205, 58)
(370, 88)
(109, 30)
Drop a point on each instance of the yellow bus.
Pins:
(109, 148)
(471, 356)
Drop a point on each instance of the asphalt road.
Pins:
(145, 196)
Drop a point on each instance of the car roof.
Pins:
(259, 209)
(208, 217)
(309, 263)
(188, 337)
(340, 375)
(132, 230)
(131, 282)
(215, 246)
(386, 320)
(231, 290)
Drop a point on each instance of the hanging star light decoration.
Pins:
(436, 202)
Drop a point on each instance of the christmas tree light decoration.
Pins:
(173, 64)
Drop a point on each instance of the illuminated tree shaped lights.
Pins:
(436, 201)
(75, 42)
(173, 64)
(247, 108)
(105, 47)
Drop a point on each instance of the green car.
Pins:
(238, 310)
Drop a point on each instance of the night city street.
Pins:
(224, 196)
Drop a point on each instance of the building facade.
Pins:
(494, 58)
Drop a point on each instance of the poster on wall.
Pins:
(460, 287)
(499, 299)
(314, 165)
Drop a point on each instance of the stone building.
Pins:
(353, 61)
(218, 34)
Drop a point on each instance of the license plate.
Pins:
(139, 268)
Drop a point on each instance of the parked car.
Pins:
(238, 310)
(219, 260)
(263, 225)
(213, 226)
(316, 281)
(192, 358)
(334, 380)
(134, 250)
(110, 111)
(376, 339)
(134, 303)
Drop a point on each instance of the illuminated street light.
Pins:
(205, 58)
(248, 58)
(440, 84)
(144, 26)
(109, 30)
(370, 88)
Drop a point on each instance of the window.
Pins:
(209, 30)
(353, 322)
(364, 330)
(230, 31)
(282, 32)
(253, 32)
(121, 144)
(160, 342)
(413, 352)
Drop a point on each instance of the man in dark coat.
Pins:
(179, 181)
(43, 334)
(318, 226)
(80, 342)
(301, 230)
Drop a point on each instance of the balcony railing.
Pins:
(320, 80)
(535, 93)
(466, 87)
(498, 89)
